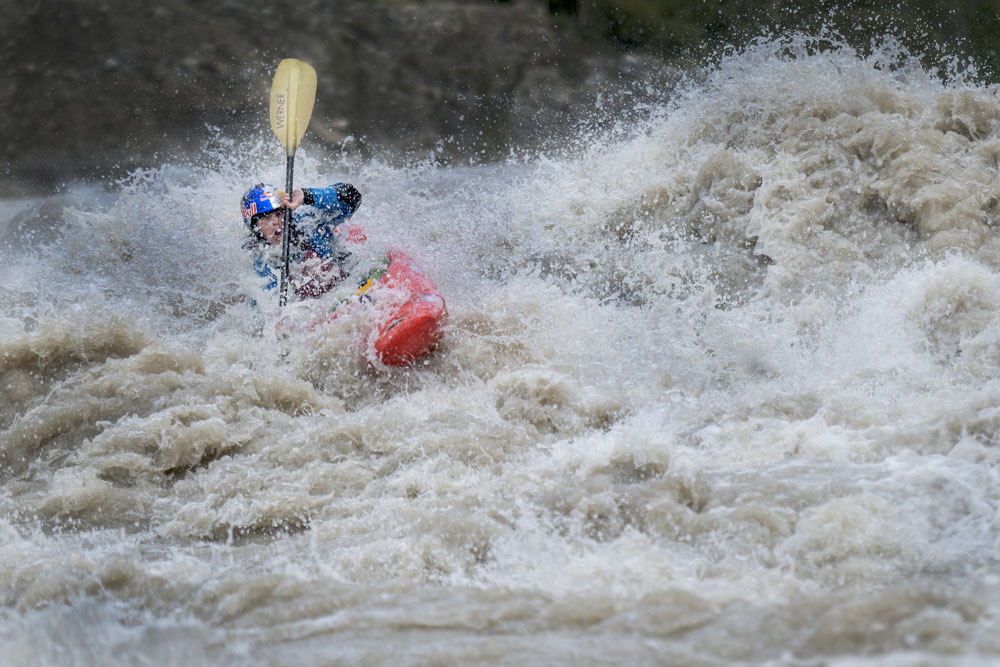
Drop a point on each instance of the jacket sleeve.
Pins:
(343, 199)
(335, 205)
(265, 271)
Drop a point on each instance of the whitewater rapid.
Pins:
(721, 384)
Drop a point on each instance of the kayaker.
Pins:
(317, 257)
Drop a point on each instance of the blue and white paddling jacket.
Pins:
(317, 257)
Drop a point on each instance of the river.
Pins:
(720, 385)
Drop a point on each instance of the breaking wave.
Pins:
(725, 380)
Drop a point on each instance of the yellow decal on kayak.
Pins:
(374, 274)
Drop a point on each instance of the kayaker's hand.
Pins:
(298, 198)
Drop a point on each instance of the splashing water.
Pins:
(718, 386)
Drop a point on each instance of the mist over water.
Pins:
(718, 386)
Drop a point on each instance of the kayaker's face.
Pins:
(271, 224)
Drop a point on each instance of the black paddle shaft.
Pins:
(286, 234)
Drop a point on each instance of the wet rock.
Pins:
(97, 84)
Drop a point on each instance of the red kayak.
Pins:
(407, 312)
(411, 321)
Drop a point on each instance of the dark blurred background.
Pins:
(93, 88)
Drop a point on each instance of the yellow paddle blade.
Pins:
(292, 95)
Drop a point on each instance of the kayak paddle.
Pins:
(293, 93)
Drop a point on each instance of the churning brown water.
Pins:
(721, 386)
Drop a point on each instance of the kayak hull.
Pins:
(412, 323)
(406, 313)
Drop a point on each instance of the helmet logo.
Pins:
(258, 200)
